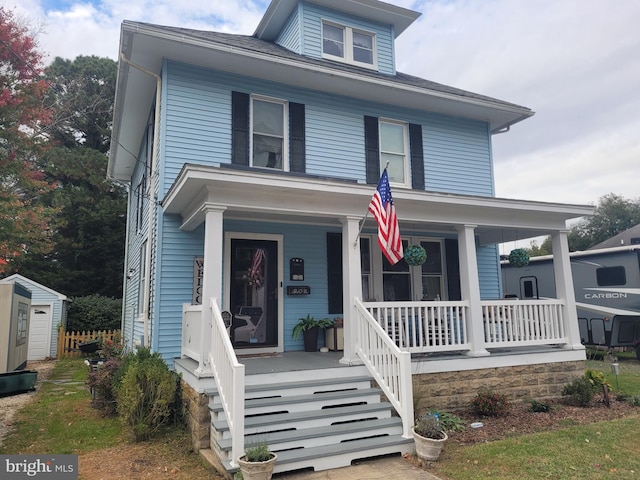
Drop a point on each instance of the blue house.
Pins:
(251, 162)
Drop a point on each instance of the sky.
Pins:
(576, 63)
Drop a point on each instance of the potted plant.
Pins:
(429, 437)
(257, 462)
(310, 327)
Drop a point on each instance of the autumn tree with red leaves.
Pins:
(24, 225)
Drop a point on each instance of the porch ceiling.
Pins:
(277, 197)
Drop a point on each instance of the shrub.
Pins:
(490, 404)
(102, 383)
(94, 312)
(581, 391)
(450, 422)
(539, 407)
(112, 348)
(146, 394)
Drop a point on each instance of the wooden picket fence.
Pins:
(68, 341)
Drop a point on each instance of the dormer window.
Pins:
(349, 45)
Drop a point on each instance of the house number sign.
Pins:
(298, 290)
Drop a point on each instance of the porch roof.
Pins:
(252, 194)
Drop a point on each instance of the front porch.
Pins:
(525, 351)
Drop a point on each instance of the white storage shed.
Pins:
(48, 310)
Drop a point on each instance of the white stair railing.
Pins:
(229, 377)
(388, 365)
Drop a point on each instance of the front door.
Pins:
(253, 293)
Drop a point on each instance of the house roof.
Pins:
(246, 193)
(630, 236)
(24, 280)
(146, 46)
(279, 12)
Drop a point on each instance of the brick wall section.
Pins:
(453, 390)
(197, 415)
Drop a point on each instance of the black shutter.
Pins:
(417, 158)
(372, 149)
(453, 268)
(296, 137)
(240, 128)
(334, 272)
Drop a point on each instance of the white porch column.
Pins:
(470, 289)
(351, 283)
(211, 279)
(564, 288)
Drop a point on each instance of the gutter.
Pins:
(153, 176)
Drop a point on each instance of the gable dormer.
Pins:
(354, 32)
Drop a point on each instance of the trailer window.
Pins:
(607, 276)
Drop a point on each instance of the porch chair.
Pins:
(254, 329)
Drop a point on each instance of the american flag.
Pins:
(255, 271)
(382, 208)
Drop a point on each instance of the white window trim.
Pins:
(377, 274)
(348, 45)
(285, 130)
(407, 152)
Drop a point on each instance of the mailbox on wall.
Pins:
(296, 269)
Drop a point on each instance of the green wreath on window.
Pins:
(519, 257)
(415, 255)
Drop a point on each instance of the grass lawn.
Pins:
(603, 450)
(60, 420)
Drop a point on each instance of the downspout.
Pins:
(152, 196)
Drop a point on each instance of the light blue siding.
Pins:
(198, 116)
(457, 156)
(489, 271)
(312, 27)
(291, 35)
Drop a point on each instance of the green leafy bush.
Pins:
(258, 452)
(94, 312)
(146, 394)
(581, 391)
(450, 422)
(539, 407)
(490, 404)
(102, 382)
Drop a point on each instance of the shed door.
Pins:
(39, 332)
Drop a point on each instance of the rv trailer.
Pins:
(607, 291)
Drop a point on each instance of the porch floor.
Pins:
(290, 362)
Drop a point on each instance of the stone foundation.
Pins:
(453, 390)
(197, 415)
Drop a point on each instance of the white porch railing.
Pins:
(523, 322)
(229, 377)
(388, 365)
(422, 327)
(191, 320)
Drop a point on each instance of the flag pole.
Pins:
(366, 214)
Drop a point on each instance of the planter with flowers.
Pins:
(429, 437)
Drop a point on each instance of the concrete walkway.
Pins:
(384, 468)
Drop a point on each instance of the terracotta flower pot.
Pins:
(257, 470)
(429, 448)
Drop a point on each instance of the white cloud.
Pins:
(574, 62)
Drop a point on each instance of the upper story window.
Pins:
(346, 44)
(269, 133)
(394, 148)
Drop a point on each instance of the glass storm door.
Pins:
(254, 293)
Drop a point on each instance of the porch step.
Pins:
(298, 403)
(320, 424)
(336, 455)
